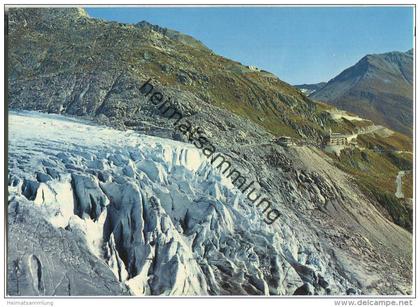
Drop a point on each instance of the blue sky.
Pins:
(298, 44)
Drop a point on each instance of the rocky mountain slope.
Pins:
(96, 67)
(379, 87)
(140, 207)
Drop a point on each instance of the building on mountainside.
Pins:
(285, 141)
(337, 139)
(335, 142)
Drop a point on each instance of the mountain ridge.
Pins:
(378, 87)
(240, 89)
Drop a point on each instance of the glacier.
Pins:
(146, 215)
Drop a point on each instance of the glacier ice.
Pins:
(159, 216)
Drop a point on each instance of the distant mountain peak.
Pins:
(378, 87)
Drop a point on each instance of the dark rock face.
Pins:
(379, 87)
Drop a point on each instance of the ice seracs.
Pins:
(152, 216)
